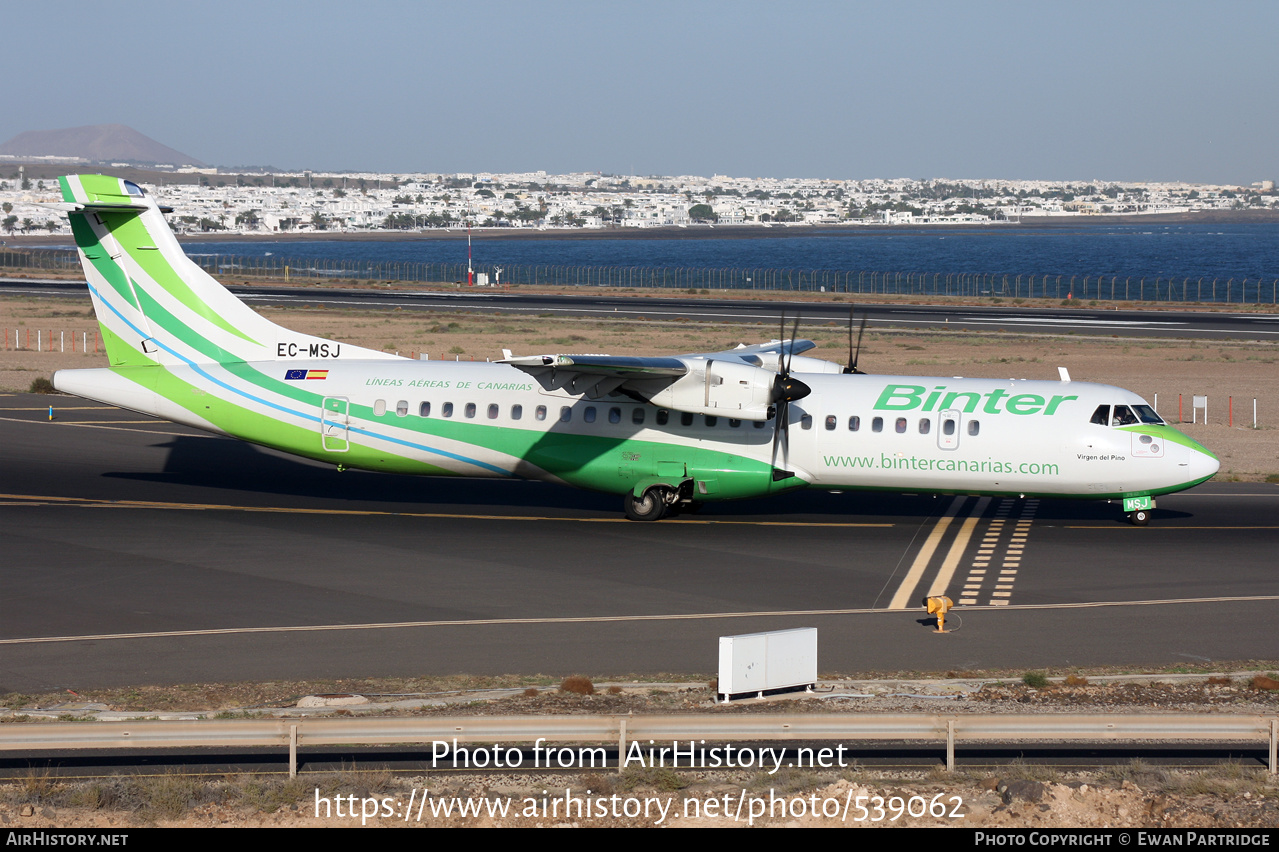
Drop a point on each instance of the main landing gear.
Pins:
(650, 507)
(657, 503)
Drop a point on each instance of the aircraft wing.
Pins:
(768, 355)
(600, 375)
(602, 365)
(740, 383)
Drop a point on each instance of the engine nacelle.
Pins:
(721, 389)
(804, 364)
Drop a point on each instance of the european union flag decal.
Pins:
(294, 375)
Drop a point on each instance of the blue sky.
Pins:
(1135, 91)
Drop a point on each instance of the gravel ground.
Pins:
(1134, 795)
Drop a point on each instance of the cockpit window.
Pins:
(1147, 414)
(1101, 416)
(133, 189)
(1123, 416)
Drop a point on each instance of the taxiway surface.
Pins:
(137, 551)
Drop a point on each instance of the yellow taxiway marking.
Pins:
(67, 408)
(90, 503)
(957, 548)
(906, 591)
(94, 424)
(602, 619)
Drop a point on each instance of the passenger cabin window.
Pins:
(830, 422)
(447, 410)
(925, 425)
(854, 423)
(539, 413)
(494, 408)
(901, 425)
(379, 408)
(734, 424)
(948, 426)
(517, 411)
(566, 414)
(806, 422)
(712, 421)
(974, 427)
(424, 410)
(686, 419)
(470, 411)
(589, 414)
(637, 416)
(877, 425)
(615, 415)
(663, 417)
(402, 408)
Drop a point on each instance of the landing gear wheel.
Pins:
(1139, 518)
(650, 507)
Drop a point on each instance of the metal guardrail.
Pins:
(951, 730)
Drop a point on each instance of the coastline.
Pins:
(699, 232)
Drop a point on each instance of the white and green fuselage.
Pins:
(697, 427)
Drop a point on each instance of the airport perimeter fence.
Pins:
(1110, 288)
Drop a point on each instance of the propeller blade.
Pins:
(779, 417)
(785, 389)
(853, 355)
(852, 310)
(790, 353)
(780, 434)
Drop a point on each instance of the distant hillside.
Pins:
(97, 143)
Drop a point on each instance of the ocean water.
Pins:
(1191, 251)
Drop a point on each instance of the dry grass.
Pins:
(577, 685)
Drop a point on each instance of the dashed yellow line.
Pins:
(957, 548)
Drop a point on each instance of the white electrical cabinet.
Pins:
(759, 662)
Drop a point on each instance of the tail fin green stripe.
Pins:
(132, 234)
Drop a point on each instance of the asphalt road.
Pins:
(136, 551)
(1221, 323)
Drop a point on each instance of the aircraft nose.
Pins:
(1200, 464)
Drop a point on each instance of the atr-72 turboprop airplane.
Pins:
(664, 433)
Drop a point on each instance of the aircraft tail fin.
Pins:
(153, 303)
